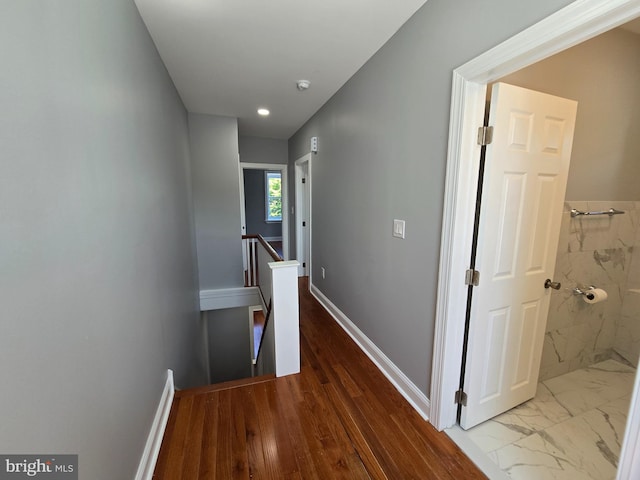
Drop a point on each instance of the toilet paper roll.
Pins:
(595, 295)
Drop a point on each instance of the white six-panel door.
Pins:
(523, 193)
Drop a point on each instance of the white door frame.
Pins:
(574, 24)
(299, 200)
(277, 167)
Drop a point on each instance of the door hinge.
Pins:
(461, 398)
(304, 180)
(472, 277)
(485, 135)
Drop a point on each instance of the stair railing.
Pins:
(251, 244)
(277, 282)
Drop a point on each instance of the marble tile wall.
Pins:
(595, 251)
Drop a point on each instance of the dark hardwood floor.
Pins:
(339, 418)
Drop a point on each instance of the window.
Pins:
(273, 196)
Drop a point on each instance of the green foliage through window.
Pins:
(273, 200)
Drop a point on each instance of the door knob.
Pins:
(549, 284)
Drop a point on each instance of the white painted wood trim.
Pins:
(577, 22)
(406, 387)
(243, 214)
(285, 317)
(457, 234)
(629, 463)
(573, 24)
(299, 246)
(264, 166)
(229, 298)
(152, 448)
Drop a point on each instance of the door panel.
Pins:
(523, 192)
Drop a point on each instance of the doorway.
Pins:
(570, 26)
(303, 214)
(262, 216)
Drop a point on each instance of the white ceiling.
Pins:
(229, 57)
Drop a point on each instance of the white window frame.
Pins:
(267, 173)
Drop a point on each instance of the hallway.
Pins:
(339, 418)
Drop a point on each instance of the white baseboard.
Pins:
(406, 387)
(154, 440)
(229, 298)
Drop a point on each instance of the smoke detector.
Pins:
(303, 85)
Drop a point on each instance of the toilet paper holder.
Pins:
(585, 291)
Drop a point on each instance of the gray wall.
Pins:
(383, 140)
(603, 75)
(98, 284)
(216, 200)
(263, 150)
(254, 194)
(229, 337)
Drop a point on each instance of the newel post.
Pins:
(285, 317)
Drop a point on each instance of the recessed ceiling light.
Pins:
(263, 111)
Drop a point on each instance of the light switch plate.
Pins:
(398, 228)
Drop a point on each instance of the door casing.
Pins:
(302, 164)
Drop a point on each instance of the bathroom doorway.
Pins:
(593, 347)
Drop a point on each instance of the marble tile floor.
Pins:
(572, 429)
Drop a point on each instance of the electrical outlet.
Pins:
(323, 272)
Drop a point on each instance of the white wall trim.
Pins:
(152, 448)
(571, 25)
(406, 387)
(629, 463)
(264, 166)
(306, 158)
(229, 298)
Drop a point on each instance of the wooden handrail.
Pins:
(270, 250)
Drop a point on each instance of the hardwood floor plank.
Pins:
(239, 447)
(366, 455)
(224, 467)
(255, 454)
(175, 455)
(375, 443)
(291, 416)
(347, 381)
(442, 462)
(276, 447)
(208, 458)
(193, 447)
(328, 432)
